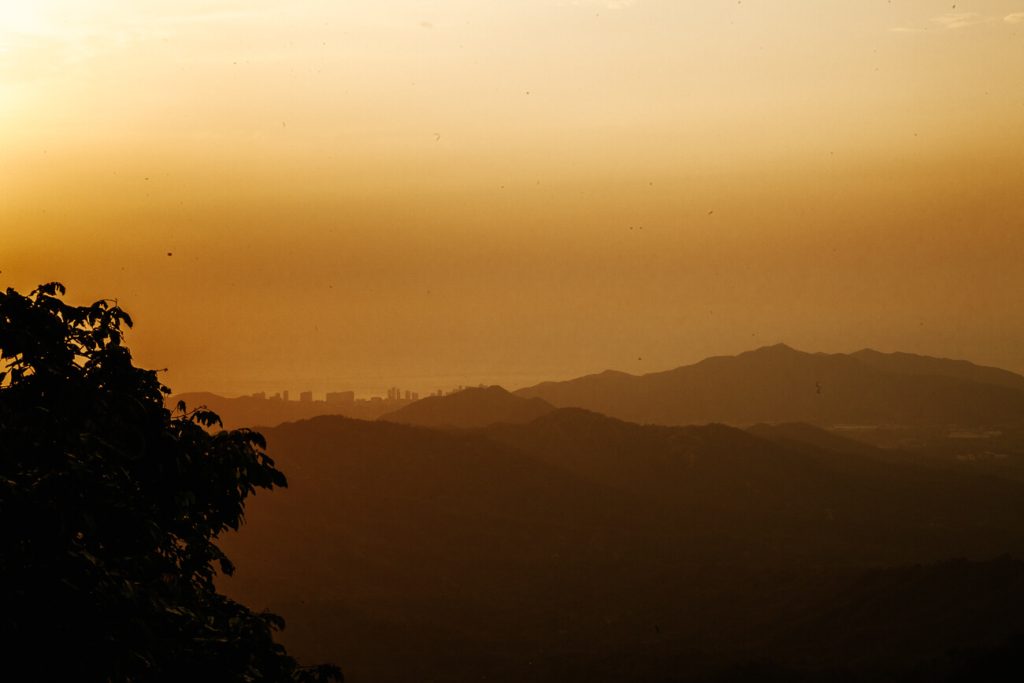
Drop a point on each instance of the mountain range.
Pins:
(575, 546)
(780, 384)
(252, 411)
(470, 408)
(773, 384)
(711, 523)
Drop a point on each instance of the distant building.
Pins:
(262, 395)
(306, 396)
(284, 395)
(341, 396)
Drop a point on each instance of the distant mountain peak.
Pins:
(774, 348)
(469, 408)
(490, 390)
(778, 383)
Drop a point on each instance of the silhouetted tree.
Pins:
(110, 510)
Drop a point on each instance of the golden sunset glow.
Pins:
(321, 194)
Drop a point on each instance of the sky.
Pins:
(330, 195)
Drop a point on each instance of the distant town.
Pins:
(261, 409)
(348, 398)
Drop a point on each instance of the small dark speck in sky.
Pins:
(711, 212)
(170, 253)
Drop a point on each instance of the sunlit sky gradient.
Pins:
(364, 193)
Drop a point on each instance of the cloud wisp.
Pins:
(954, 20)
(951, 21)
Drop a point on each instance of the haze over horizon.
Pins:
(329, 192)
(366, 386)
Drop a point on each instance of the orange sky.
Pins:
(364, 193)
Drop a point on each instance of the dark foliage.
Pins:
(110, 511)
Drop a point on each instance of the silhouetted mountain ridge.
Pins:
(252, 411)
(469, 408)
(780, 384)
(913, 364)
(582, 547)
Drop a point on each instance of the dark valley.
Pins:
(488, 536)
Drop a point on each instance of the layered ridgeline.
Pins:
(781, 384)
(579, 547)
(772, 384)
(473, 407)
(257, 411)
